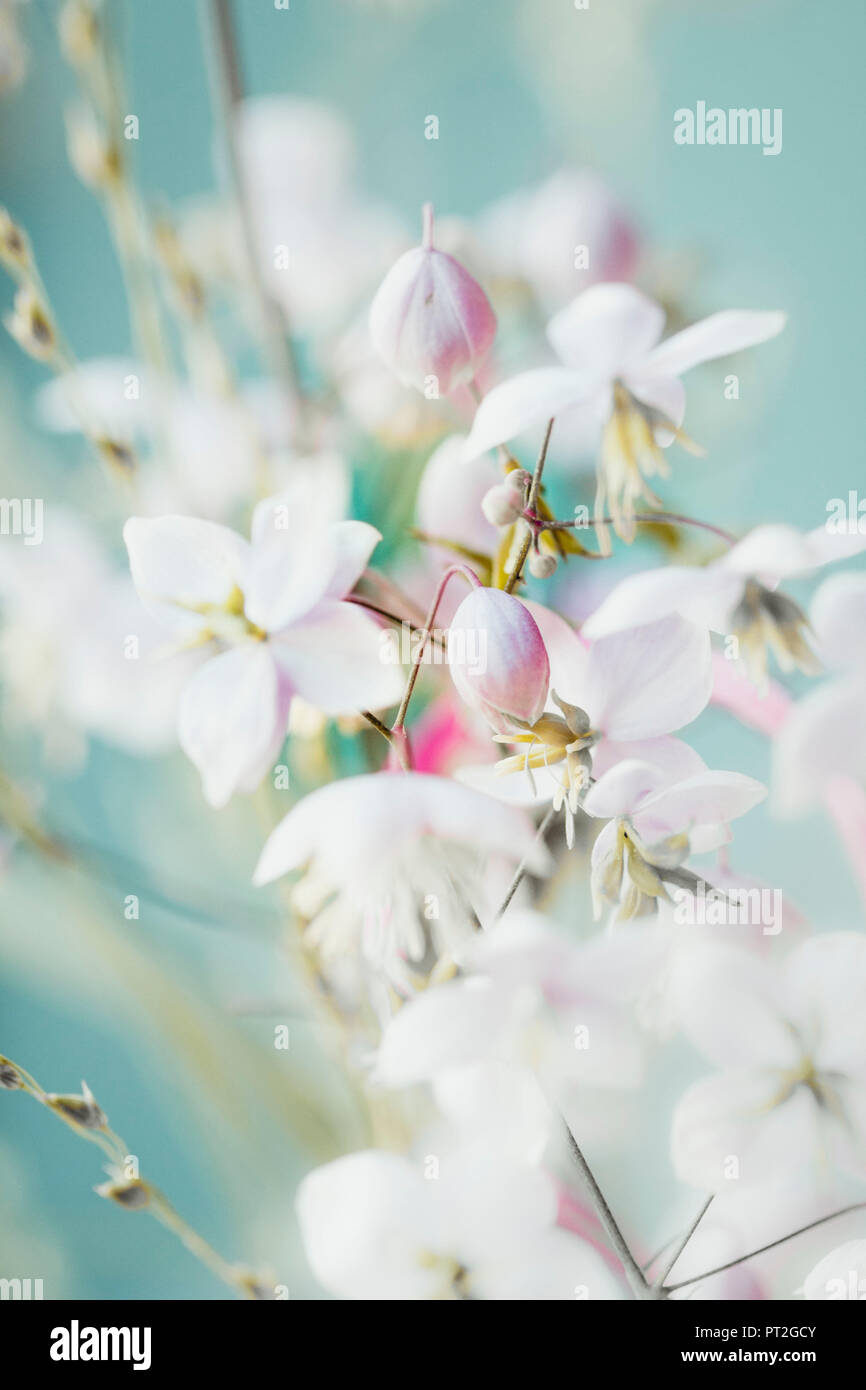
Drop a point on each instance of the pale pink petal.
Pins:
(181, 565)
(703, 596)
(705, 799)
(673, 758)
(648, 681)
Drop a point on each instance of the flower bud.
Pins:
(81, 1110)
(504, 503)
(541, 564)
(31, 326)
(431, 319)
(9, 1077)
(498, 659)
(131, 1193)
(14, 246)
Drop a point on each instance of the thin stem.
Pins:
(720, 1269)
(514, 577)
(644, 518)
(520, 872)
(633, 1272)
(683, 1243)
(422, 646)
(227, 93)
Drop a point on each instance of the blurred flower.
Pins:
(430, 321)
(840, 1275)
(618, 371)
(273, 610)
(450, 497)
(374, 1227)
(792, 1059)
(392, 865)
(735, 595)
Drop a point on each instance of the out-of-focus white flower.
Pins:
(736, 594)
(616, 698)
(821, 737)
(532, 1001)
(77, 650)
(375, 1226)
(450, 497)
(617, 370)
(392, 865)
(430, 321)
(792, 1056)
(840, 1275)
(273, 609)
(561, 236)
(654, 824)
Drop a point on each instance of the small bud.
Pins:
(431, 319)
(9, 1077)
(31, 327)
(81, 1110)
(498, 659)
(116, 454)
(541, 564)
(95, 159)
(131, 1193)
(78, 27)
(14, 246)
(505, 502)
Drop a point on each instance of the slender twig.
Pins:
(520, 872)
(514, 577)
(683, 1243)
(633, 1272)
(422, 646)
(720, 1269)
(643, 518)
(227, 94)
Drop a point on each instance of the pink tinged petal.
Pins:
(648, 681)
(335, 659)
(705, 597)
(838, 616)
(228, 719)
(716, 336)
(733, 691)
(729, 1127)
(497, 657)
(521, 402)
(709, 798)
(730, 1006)
(820, 740)
(296, 562)
(671, 757)
(606, 330)
(622, 789)
(179, 563)
(431, 318)
(567, 654)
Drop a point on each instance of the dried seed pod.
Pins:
(82, 1110)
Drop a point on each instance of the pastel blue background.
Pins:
(516, 90)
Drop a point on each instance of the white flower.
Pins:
(791, 1049)
(654, 823)
(272, 611)
(375, 1226)
(392, 865)
(616, 698)
(736, 594)
(821, 739)
(616, 368)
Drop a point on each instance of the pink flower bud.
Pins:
(498, 659)
(431, 319)
(504, 503)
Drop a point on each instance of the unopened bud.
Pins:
(505, 502)
(81, 1110)
(10, 1079)
(497, 658)
(430, 318)
(14, 246)
(541, 564)
(30, 326)
(131, 1193)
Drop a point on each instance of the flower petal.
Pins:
(606, 329)
(716, 336)
(336, 659)
(179, 564)
(229, 721)
(648, 681)
(523, 400)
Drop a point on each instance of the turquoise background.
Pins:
(513, 87)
